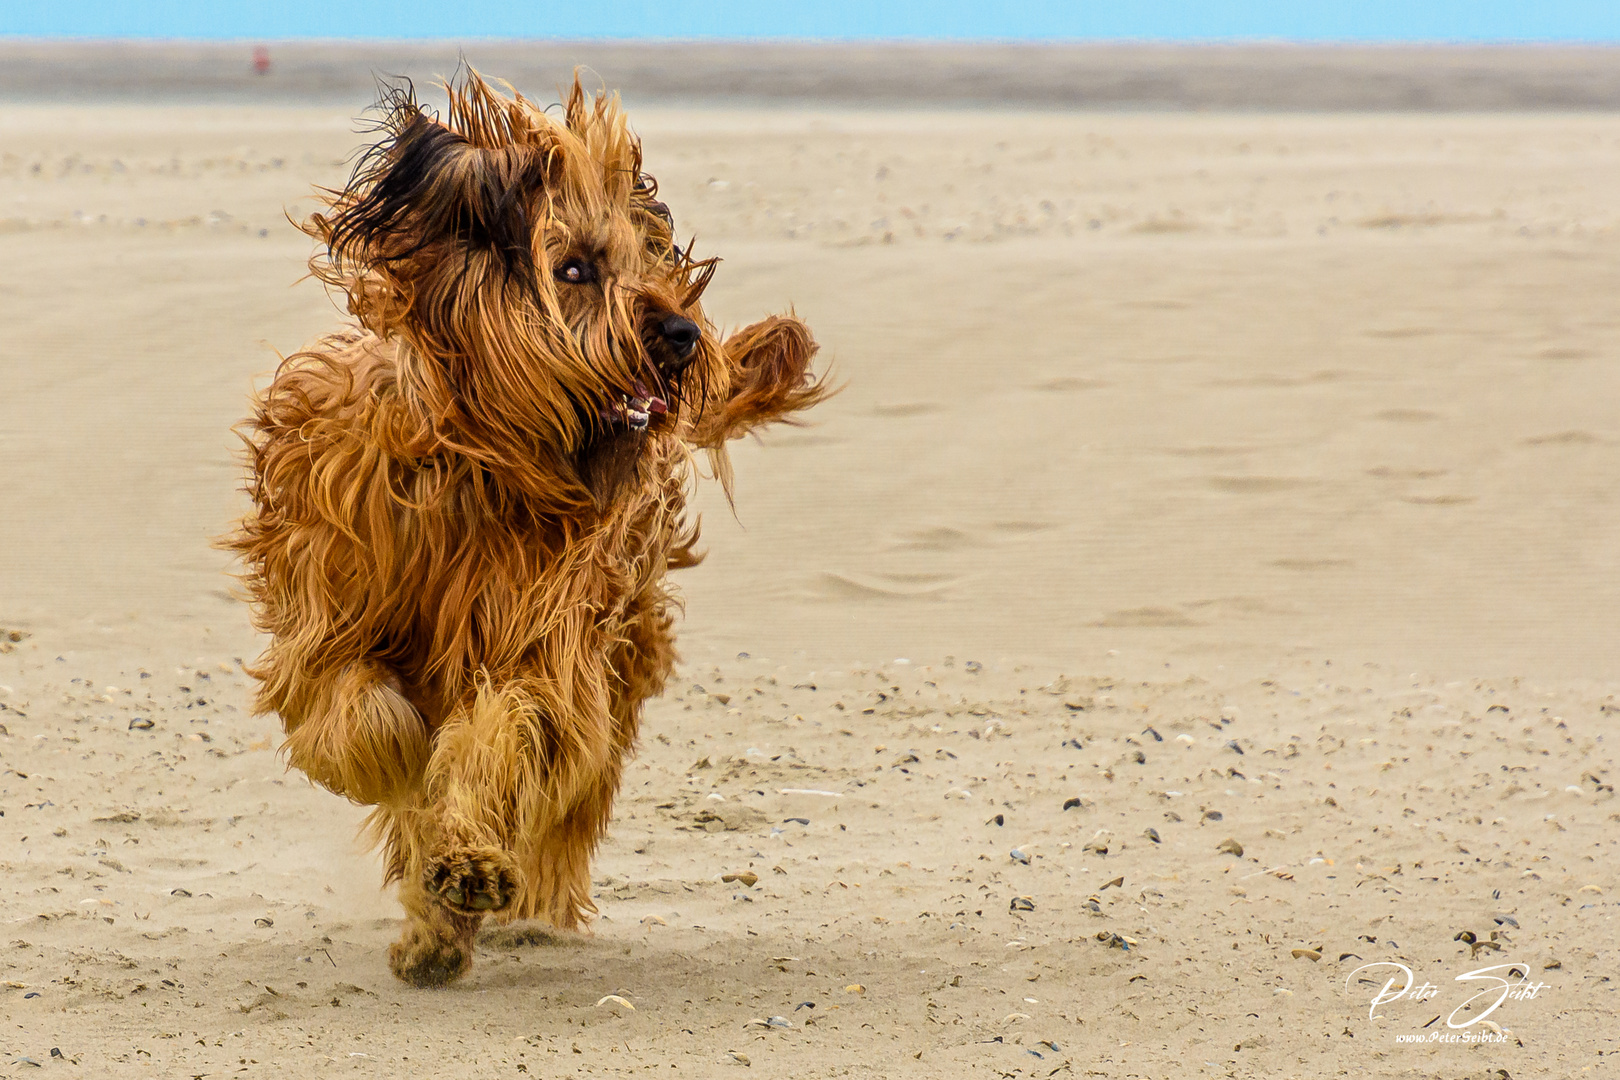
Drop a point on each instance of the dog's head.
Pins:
(548, 320)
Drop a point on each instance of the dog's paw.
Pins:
(423, 958)
(477, 881)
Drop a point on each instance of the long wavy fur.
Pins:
(457, 547)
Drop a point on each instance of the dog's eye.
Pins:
(575, 271)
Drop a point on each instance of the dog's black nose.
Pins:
(681, 333)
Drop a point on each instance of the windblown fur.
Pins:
(465, 505)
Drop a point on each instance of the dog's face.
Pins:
(551, 322)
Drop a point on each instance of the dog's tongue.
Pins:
(635, 410)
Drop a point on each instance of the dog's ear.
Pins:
(770, 380)
(429, 192)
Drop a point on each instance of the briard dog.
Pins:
(465, 505)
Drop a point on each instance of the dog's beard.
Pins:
(608, 461)
(624, 424)
(607, 464)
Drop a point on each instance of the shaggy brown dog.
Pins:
(465, 506)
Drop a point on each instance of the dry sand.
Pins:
(1226, 477)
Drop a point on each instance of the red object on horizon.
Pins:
(261, 59)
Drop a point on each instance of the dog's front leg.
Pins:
(437, 945)
(454, 844)
(503, 770)
(476, 782)
(356, 735)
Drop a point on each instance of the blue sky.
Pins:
(1171, 20)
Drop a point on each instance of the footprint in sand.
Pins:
(1562, 438)
(1439, 500)
(1238, 606)
(834, 587)
(1389, 472)
(947, 538)
(1146, 617)
(1255, 485)
(1069, 384)
(1022, 528)
(1398, 332)
(909, 408)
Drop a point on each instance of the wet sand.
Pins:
(875, 75)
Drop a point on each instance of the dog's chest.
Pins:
(481, 592)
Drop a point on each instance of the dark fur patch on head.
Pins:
(427, 187)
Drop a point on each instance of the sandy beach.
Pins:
(1205, 586)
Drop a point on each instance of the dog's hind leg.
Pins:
(357, 736)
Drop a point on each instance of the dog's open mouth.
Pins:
(635, 410)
